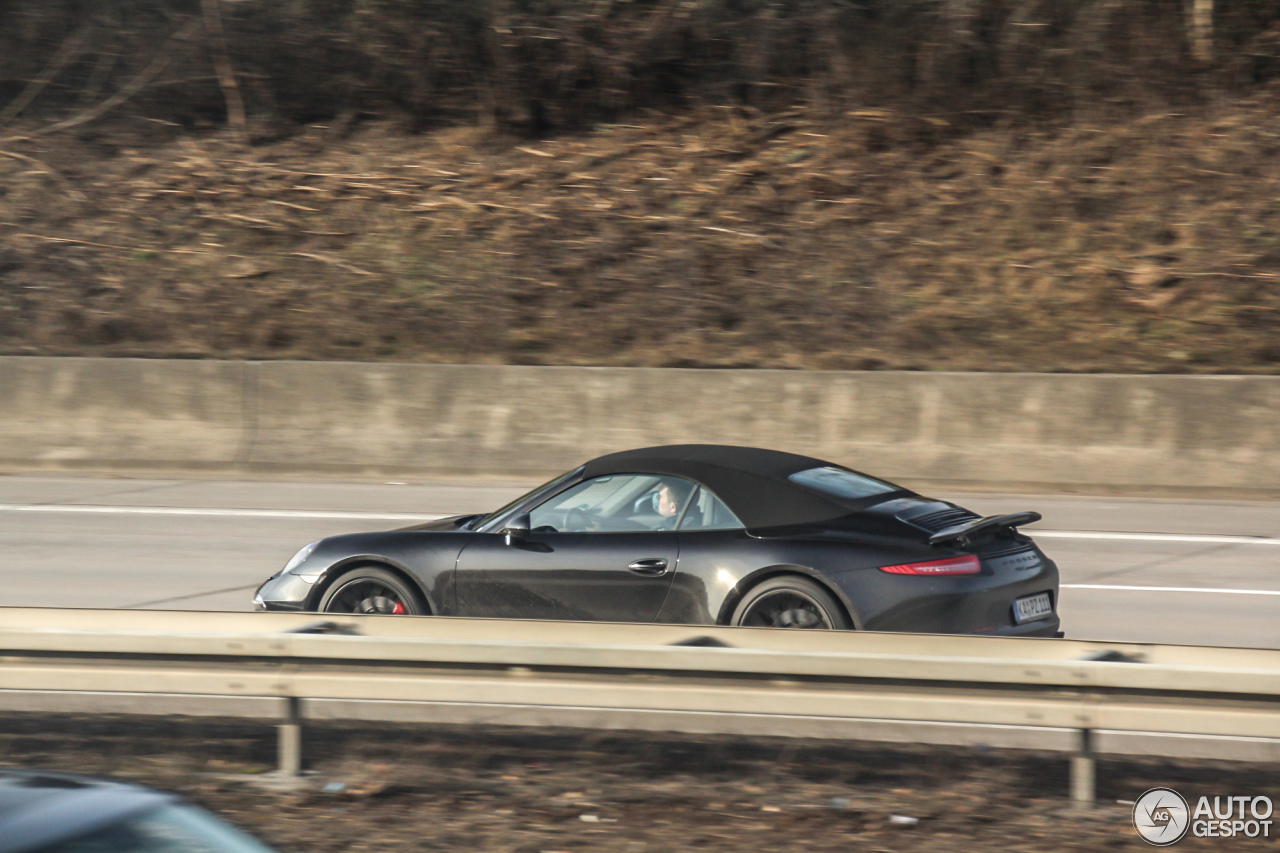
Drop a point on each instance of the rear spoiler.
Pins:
(969, 528)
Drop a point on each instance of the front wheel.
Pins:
(372, 590)
(789, 601)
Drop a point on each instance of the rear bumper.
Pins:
(967, 604)
(1039, 628)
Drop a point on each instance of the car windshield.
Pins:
(617, 503)
(176, 828)
(842, 483)
(545, 489)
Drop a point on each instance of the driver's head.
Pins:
(670, 498)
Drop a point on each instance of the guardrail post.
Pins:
(1083, 770)
(291, 737)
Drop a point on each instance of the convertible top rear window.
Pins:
(841, 483)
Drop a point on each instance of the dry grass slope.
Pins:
(721, 237)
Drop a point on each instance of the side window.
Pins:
(615, 504)
(708, 512)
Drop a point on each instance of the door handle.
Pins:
(653, 566)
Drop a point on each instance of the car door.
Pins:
(605, 550)
(716, 553)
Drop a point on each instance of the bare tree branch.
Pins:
(1202, 30)
(134, 86)
(68, 51)
(50, 171)
(226, 74)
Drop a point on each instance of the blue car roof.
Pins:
(39, 808)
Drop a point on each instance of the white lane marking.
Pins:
(377, 516)
(1152, 537)
(1170, 589)
(237, 513)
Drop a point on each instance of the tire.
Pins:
(372, 590)
(790, 601)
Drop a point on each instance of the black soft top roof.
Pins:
(750, 480)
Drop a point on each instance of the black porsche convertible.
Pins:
(697, 534)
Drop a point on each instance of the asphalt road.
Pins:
(1161, 571)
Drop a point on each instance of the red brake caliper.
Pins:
(399, 608)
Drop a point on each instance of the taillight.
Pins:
(951, 566)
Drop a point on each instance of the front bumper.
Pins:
(283, 592)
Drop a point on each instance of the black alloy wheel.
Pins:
(372, 590)
(789, 601)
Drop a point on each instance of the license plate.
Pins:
(1032, 607)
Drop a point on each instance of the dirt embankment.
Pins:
(723, 238)
(998, 186)
(510, 791)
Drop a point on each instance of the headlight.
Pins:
(296, 560)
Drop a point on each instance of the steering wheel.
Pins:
(576, 521)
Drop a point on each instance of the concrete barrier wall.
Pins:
(120, 413)
(1125, 434)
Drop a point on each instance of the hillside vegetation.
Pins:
(923, 184)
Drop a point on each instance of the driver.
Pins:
(668, 501)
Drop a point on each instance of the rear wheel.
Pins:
(372, 590)
(789, 601)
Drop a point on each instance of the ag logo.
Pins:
(1161, 817)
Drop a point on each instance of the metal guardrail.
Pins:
(713, 675)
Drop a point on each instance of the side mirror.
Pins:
(517, 528)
